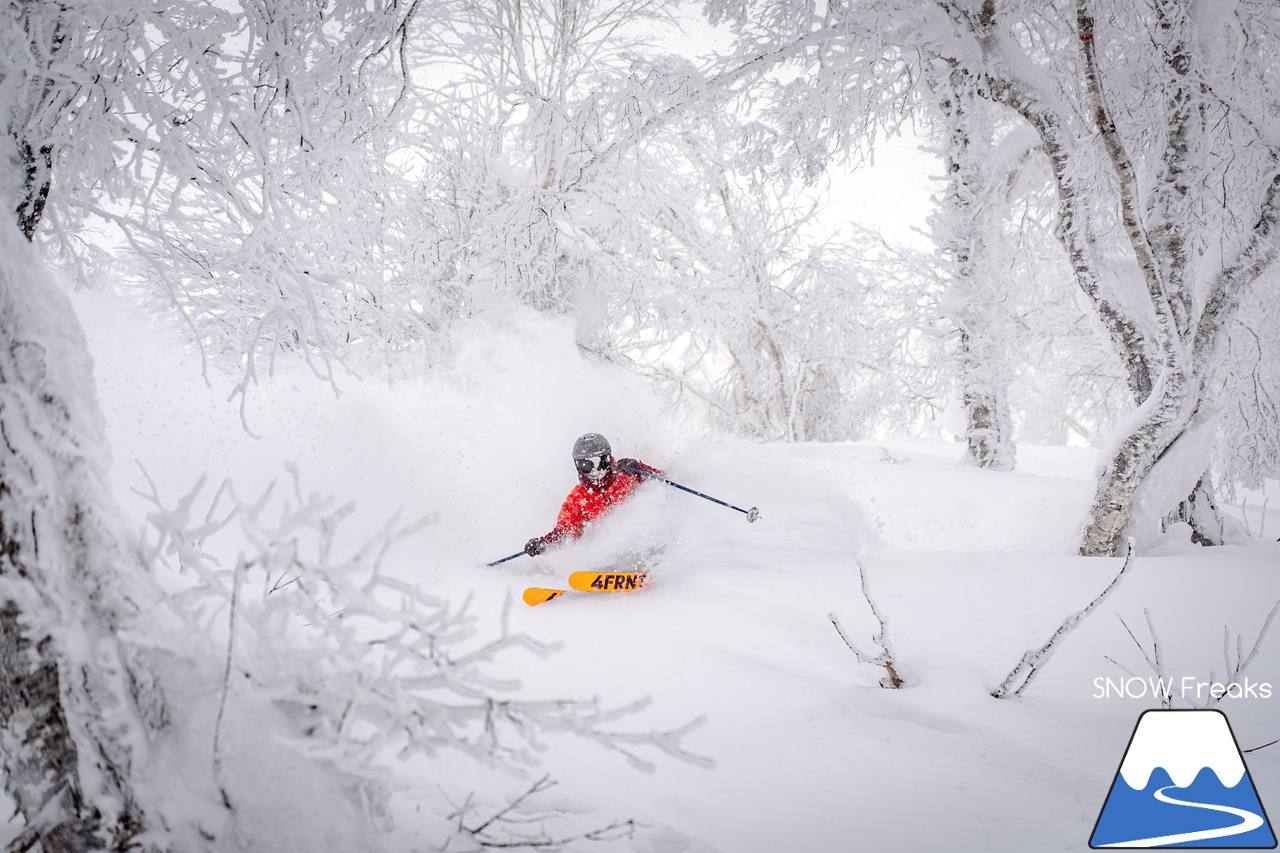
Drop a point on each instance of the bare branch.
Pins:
(502, 829)
(886, 657)
(1031, 663)
(1237, 671)
(1264, 746)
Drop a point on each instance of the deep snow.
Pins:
(971, 569)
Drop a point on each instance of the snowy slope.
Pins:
(970, 568)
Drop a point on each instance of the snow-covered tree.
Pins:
(241, 154)
(276, 152)
(78, 704)
(1025, 356)
(1200, 233)
(795, 336)
(850, 78)
(975, 301)
(526, 188)
(1138, 115)
(574, 171)
(1250, 395)
(237, 157)
(104, 106)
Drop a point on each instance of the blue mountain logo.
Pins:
(1183, 783)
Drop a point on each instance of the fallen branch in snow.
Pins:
(886, 656)
(517, 813)
(1034, 659)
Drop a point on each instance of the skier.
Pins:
(603, 483)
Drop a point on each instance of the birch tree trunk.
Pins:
(1170, 356)
(972, 298)
(1189, 347)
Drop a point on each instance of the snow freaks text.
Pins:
(1188, 687)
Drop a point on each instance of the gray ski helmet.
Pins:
(593, 457)
(591, 445)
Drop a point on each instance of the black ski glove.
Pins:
(535, 546)
(626, 466)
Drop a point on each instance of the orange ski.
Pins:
(607, 581)
(536, 595)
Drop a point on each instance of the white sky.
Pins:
(892, 195)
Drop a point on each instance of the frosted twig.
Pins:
(1031, 663)
(1234, 673)
(892, 678)
(886, 656)
(226, 673)
(1155, 643)
(543, 784)
(174, 533)
(668, 742)
(1153, 660)
(512, 815)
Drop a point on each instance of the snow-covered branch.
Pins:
(885, 658)
(1035, 659)
(378, 668)
(518, 825)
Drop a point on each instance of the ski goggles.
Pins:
(592, 465)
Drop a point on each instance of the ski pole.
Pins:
(504, 559)
(751, 514)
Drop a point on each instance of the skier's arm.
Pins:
(568, 526)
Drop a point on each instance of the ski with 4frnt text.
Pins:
(606, 581)
(588, 582)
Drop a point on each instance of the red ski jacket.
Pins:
(588, 501)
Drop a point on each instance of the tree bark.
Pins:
(1200, 511)
(1164, 417)
(37, 167)
(68, 688)
(971, 300)
(1188, 351)
(1167, 369)
(1074, 232)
